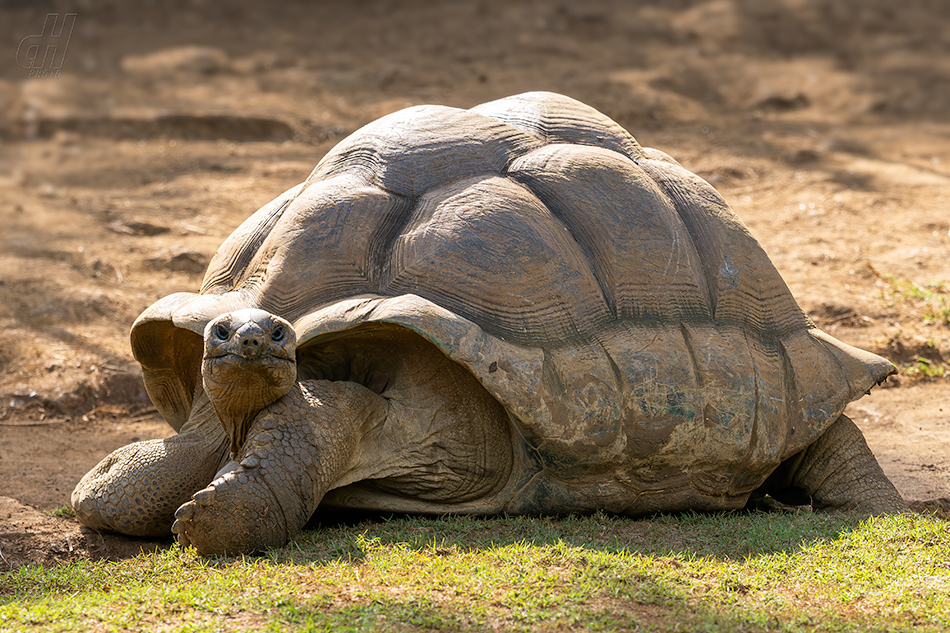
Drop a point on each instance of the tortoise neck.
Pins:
(238, 394)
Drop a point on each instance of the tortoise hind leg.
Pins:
(837, 472)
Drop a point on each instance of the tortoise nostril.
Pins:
(250, 340)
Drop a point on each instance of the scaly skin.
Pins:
(137, 488)
(839, 473)
(297, 449)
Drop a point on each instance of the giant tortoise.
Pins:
(510, 309)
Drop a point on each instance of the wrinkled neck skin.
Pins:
(238, 392)
(204, 427)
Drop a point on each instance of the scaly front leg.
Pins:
(296, 449)
(136, 489)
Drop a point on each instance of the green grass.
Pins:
(924, 368)
(65, 512)
(931, 302)
(931, 299)
(745, 571)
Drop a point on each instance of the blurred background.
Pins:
(134, 137)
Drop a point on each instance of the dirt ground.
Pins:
(825, 124)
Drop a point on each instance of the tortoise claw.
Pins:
(178, 527)
(204, 497)
(183, 513)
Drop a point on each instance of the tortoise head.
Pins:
(248, 363)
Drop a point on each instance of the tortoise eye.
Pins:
(221, 331)
(277, 335)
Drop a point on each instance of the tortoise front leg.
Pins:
(839, 472)
(136, 489)
(295, 450)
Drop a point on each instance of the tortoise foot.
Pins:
(236, 513)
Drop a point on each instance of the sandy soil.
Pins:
(825, 123)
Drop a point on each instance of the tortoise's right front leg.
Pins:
(296, 450)
(136, 489)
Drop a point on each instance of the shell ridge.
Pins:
(794, 404)
(601, 274)
(554, 117)
(691, 355)
(760, 316)
(380, 244)
(614, 367)
(236, 252)
(670, 189)
(599, 271)
(414, 150)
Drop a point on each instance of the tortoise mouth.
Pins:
(239, 359)
(239, 388)
(229, 369)
(233, 367)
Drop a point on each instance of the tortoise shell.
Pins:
(609, 299)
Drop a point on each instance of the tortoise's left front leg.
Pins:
(839, 472)
(295, 450)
